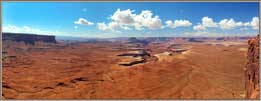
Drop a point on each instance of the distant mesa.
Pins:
(194, 40)
(233, 38)
(28, 38)
(220, 38)
(133, 40)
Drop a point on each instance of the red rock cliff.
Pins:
(252, 69)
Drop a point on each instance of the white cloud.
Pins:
(29, 30)
(138, 26)
(11, 28)
(225, 24)
(146, 19)
(239, 24)
(254, 23)
(229, 24)
(125, 27)
(75, 27)
(247, 24)
(208, 22)
(125, 19)
(113, 25)
(82, 21)
(102, 26)
(199, 27)
(178, 23)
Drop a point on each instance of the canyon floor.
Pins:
(92, 71)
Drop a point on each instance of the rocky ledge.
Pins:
(252, 69)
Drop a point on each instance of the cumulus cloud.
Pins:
(125, 27)
(82, 21)
(225, 24)
(102, 26)
(208, 22)
(254, 23)
(138, 26)
(146, 19)
(124, 16)
(178, 23)
(247, 24)
(229, 24)
(112, 26)
(27, 29)
(125, 19)
(199, 27)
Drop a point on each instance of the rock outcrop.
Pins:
(134, 57)
(28, 38)
(135, 53)
(252, 69)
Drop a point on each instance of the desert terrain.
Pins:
(179, 68)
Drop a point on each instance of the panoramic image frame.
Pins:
(130, 50)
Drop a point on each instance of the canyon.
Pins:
(129, 68)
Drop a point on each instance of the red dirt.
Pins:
(91, 71)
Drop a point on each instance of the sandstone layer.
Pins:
(252, 69)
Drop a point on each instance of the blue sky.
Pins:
(124, 19)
